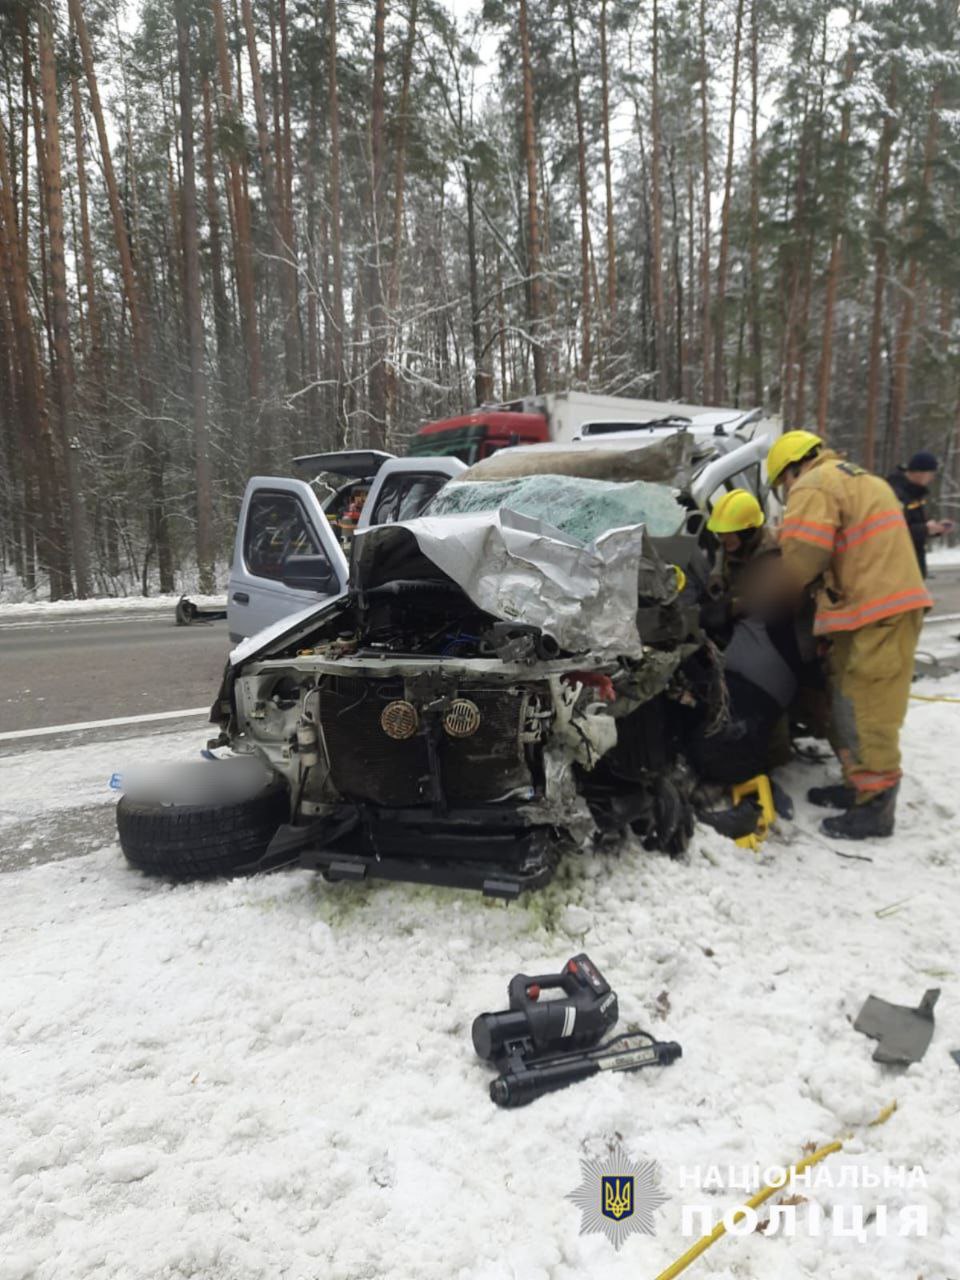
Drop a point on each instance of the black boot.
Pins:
(782, 801)
(740, 820)
(867, 821)
(837, 796)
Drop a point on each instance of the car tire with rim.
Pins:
(194, 841)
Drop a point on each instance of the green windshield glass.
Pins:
(584, 509)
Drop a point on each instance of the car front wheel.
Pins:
(192, 841)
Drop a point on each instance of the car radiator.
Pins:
(367, 763)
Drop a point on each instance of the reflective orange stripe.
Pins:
(809, 524)
(803, 532)
(877, 515)
(873, 611)
(864, 780)
(880, 523)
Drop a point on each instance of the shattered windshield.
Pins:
(583, 509)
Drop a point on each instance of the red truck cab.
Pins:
(476, 435)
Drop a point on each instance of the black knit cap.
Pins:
(923, 460)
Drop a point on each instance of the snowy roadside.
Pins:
(57, 795)
(274, 1077)
(41, 782)
(944, 557)
(26, 610)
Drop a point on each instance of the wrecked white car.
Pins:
(504, 680)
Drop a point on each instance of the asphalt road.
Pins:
(60, 671)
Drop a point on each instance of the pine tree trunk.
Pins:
(688, 372)
(221, 304)
(377, 318)
(399, 189)
(586, 353)
(310, 238)
(814, 202)
(242, 239)
(399, 177)
(533, 224)
(756, 328)
(836, 253)
(607, 168)
(719, 380)
(12, 526)
(47, 312)
(131, 290)
(901, 354)
(880, 260)
(33, 392)
(194, 319)
(705, 211)
(482, 380)
(656, 266)
(677, 279)
(289, 224)
(502, 326)
(63, 362)
(335, 225)
(96, 353)
(283, 252)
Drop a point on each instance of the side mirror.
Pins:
(308, 573)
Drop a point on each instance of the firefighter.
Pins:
(748, 548)
(844, 531)
(911, 484)
(748, 615)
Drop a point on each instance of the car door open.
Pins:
(285, 556)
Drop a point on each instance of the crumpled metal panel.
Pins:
(520, 569)
(662, 460)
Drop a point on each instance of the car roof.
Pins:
(707, 422)
(352, 464)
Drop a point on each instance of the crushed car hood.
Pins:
(567, 555)
(521, 569)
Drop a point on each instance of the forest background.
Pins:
(235, 230)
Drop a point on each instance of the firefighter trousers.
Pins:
(870, 674)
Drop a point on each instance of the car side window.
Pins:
(404, 496)
(748, 479)
(277, 527)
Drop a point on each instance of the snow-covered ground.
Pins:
(274, 1077)
(943, 557)
(38, 784)
(98, 605)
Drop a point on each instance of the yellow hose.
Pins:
(926, 697)
(704, 1243)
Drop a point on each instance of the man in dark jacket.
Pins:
(911, 484)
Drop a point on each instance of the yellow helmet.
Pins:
(791, 447)
(736, 511)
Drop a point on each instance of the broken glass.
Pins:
(582, 509)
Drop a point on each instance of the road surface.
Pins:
(59, 671)
(69, 671)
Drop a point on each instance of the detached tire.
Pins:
(194, 841)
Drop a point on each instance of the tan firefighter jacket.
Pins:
(844, 530)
